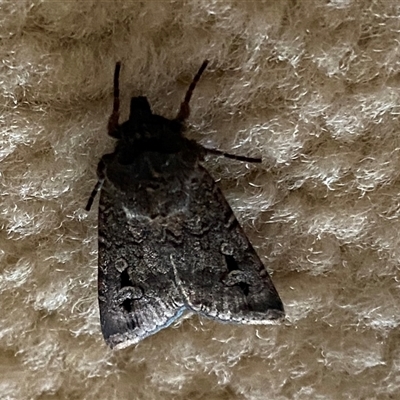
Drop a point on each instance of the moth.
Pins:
(168, 240)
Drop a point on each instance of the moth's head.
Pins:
(145, 131)
(140, 109)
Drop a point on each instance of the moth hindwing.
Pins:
(168, 239)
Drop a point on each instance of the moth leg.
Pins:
(101, 174)
(184, 111)
(233, 156)
(113, 123)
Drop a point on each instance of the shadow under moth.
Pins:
(168, 239)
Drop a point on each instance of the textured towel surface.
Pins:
(312, 87)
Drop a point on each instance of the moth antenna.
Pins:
(234, 156)
(113, 123)
(184, 111)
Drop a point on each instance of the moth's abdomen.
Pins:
(153, 131)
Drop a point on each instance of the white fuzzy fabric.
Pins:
(311, 86)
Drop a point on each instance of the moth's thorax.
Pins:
(154, 184)
(130, 170)
(152, 127)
